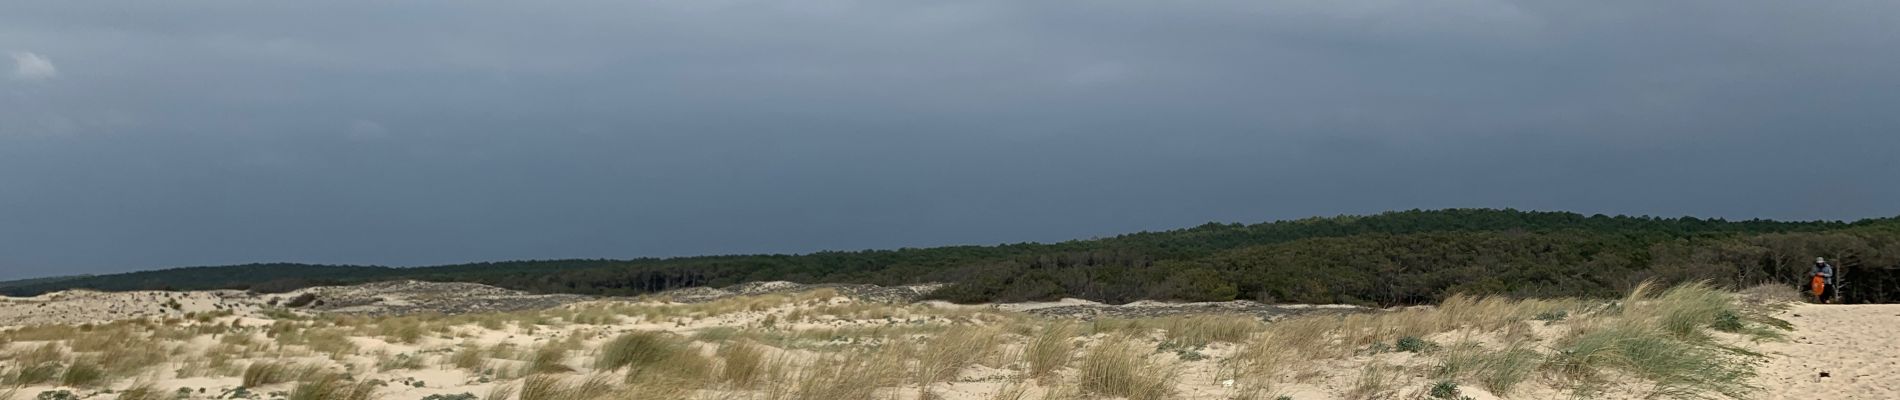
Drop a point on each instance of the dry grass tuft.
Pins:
(1050, 350)
(333, 387)
(554, 387)
(267, 372)
(548, 359)
(744, 363)
(502, 391)
(471, 358)
(141, 391)
(1200, 330)
(1120, 368)
(1497, 370)
(1376, 381)
(638, 350)
(945, 354)
(852, 375)
(83, 373)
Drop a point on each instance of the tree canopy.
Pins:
(1394, 258)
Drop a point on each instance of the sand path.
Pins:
(1856, 345)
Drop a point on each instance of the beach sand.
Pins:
(1856, 346)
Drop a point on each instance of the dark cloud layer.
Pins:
(146, 134)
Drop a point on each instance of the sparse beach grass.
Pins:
(1676, 342)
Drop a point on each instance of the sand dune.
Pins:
(1205, 351)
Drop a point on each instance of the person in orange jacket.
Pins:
(1823, 274)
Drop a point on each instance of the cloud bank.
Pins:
(211, 132)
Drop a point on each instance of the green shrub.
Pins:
(1414, 344)
(1444, 390)
(1728, 321)
(1551, 316)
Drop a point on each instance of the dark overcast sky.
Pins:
(142, 134)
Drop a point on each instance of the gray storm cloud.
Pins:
(211, 132)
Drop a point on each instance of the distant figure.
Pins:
(1823, 279)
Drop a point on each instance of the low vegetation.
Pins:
(1683, 341)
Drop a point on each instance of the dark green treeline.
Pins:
(1393, 258)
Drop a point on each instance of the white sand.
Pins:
(1856, 345)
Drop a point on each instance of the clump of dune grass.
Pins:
(945, 354)
(554, 387)
(141, 391)
(135, 357)
(1661, 338)
(547, 359)
(1120, 368)
(35, 374)
(1050, 350)
(1685, 311)
(1200, 330)
(470, 358)
(502, 391)
(1284, 346)
(717, 334)
(333, 387)
(1497, 370)
(744, 363)
(40, 364)
(267, 372)
(653, 359)
(407, 330)
(1376, 381)
(1016, 390)
(853, 374)
(327, 341)
(42, 354)
(386, 362)
(83, 373)
(638, 350)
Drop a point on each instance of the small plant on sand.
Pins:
(1552, 316)
(1444, 390)
(56, 395)
(1414, 344)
